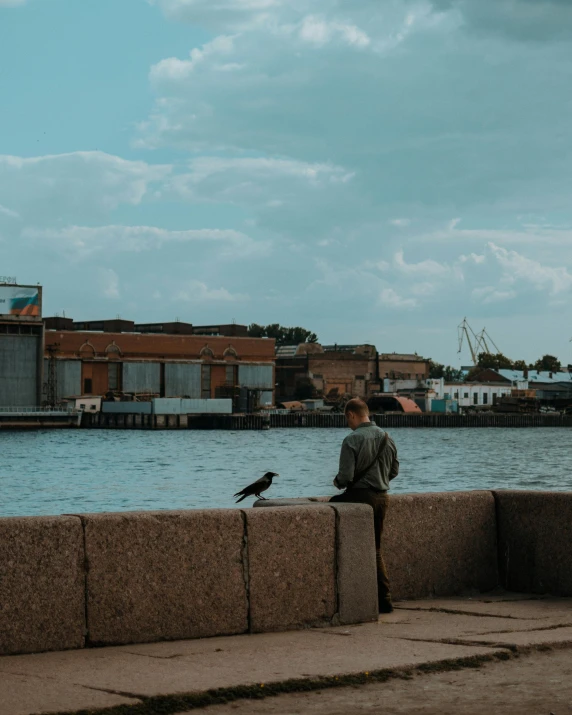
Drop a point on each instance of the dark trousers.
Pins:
(379, 501)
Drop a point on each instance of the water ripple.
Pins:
(54, 472)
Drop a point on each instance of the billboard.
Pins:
(19, 301)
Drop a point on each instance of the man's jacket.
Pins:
(358, 452)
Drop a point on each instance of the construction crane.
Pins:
(465, 331)
(479, 343)
(483, 346)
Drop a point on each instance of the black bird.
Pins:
(260, 485)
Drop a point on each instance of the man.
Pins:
(368, 462)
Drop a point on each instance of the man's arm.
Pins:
(347, 469)
(394, 471)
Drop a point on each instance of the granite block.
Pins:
(42, 584)
(356, 567)
(441, 544)
(535, 533)
(291, 566)
(165, 575)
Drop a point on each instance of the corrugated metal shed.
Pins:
(174, 406)
(18, 370)
(256, 376)
(127, 408)
(533, 376)
(142, 377)
(182, 379)
(68, 376)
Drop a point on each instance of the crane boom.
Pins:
(465, 331)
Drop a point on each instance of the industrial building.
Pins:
(336, 370)
(21, 345)
(111, 358)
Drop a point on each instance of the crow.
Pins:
(260, 485)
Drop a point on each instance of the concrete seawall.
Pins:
(103, 579)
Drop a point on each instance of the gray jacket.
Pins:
(358, 451)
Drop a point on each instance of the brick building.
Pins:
(399, 366)
(160, 364)
(331, 370)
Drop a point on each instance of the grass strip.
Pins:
(172, 704)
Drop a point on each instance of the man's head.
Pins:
(357, 413)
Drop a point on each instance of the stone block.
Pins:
(535, 533)
(356, 567)
(291, 567)
(42, 584)
(441, 544)
(165, 575)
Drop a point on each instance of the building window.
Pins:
(231, 375)
(475, 398)
(466, 395)
(113, 375)
(205, 382)
(494, 398)
(318, 377)
(87, 386)
(360, 377)
(456, 396)
(485, 399)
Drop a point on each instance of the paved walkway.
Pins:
(407, 651)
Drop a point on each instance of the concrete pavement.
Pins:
(420, 637)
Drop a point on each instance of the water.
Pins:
(68, 471)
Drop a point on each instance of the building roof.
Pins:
(534, 376)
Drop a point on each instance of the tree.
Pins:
(548, 363)
(519, 365)
(450, 374)
(282, 335)
(497, 361)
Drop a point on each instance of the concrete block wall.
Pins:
(102, 579)
(134, 577)
(441, 544)
(535, 534)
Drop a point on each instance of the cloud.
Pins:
(318, 31)
(8, 212)
(263, 183)
(518, 267)
(490, 294)
(83, 242)
(77, 185)
(390, 298)
(523, 20)
(109, 283)
(197, 292)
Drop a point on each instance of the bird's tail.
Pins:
(241, 498)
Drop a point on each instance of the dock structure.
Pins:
(261, 421)
(38, 417)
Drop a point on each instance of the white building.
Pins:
(469, 394)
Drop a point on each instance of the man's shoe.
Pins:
(385, 607)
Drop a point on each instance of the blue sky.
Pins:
(372, 171)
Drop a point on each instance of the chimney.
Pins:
(525, 373)
(550, 375)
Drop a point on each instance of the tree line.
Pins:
(282, 334)
(496, 361)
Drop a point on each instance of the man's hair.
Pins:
(357, 406)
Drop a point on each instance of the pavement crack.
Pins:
(526, 630)
(159, 657)
(133, 696)
(457, 612)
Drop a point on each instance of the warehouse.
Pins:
(146, 364)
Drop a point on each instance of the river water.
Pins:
(68, 471)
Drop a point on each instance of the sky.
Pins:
(372, 171)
